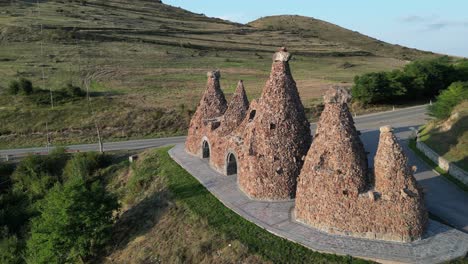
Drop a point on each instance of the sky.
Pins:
(434, 25)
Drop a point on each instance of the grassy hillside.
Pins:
(145, 62)
(449, 138)
(169, 217)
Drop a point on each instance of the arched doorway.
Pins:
(205, 149)
(231, 167)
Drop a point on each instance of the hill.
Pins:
(326, 34)
(144, 64)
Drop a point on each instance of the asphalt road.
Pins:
(443, 198)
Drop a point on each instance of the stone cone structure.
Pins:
(334, 193)
(267, 145)
(236, 110)
(212, 106)
(277, 137)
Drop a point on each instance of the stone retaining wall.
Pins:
(444, 164)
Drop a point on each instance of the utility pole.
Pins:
(48, 138)
(101, 146)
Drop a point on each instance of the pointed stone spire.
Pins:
(211, 107)
(392, 173)
(237, 109)
(336, 160)
(278, 137)
(213, 103)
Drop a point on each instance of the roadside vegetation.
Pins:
(55, 209)
(447, 134)
(421, 80)
(144, 65)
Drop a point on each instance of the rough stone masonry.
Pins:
(335, 192)
(267, 143)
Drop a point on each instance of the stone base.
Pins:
(439, 244)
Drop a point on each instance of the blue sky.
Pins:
(436, 25)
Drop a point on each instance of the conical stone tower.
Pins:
(277, 137)
(334, 193)
(211, 107)
(236, 110)
(395, 183)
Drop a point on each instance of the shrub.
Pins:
(448, 99)
(72, 91)
(25, 86)
(74, 224)
(83, 165)
(13, 88)
(35, 174)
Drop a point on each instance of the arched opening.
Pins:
(205, 149)
(231, 167)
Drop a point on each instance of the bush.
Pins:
(74, 224)
(25, 86)
(35, 174)
(72, 91)
(448, 99)
(83, 165)
(13, 88)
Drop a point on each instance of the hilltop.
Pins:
(145, 64)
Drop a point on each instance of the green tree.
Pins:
(429, 77)
(448, 99)
(9, 248)
(84, 165)
(377, 87)
(74, 223)
(36, 174)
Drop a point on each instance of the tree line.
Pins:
(418, 80)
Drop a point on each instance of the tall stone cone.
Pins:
(397, 185)
(392, 173)
(212, 105)
(337, 159)
(277, 137)
(236, 110)
(335, 168)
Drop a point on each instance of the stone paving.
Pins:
(440, 242)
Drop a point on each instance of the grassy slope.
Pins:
(451, 144)
(147, 61)
(174, 219)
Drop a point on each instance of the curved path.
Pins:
(440, 242)
(443, 198)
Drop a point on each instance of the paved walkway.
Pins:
(441, 243)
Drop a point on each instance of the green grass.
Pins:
(144, 58)
(461, 185)
(188, 191)
(451, 144)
